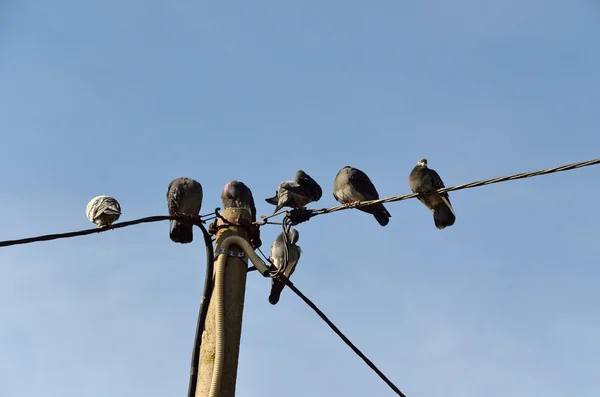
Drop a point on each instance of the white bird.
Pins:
(103, 211)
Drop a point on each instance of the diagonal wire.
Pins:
(470, 185)
(341, 335)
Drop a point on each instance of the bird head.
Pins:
(228, 185)
(293, 235)
(422, 162)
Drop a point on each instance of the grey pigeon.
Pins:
(352, 185)
(184, 197)
(424, 180)
(103, 211)
(237, 195)
(297, 193)
(278, 258)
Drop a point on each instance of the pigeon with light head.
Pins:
(423, 180)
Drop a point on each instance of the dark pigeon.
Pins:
(278, 258)
(297, 193)
(309, 185)
(424, 180)
(237, 195)
(352, 185)
(184, 196)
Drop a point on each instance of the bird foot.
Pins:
(196, 218)
(353, 204)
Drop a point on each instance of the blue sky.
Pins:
(120, 98)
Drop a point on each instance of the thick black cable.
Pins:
(203, 311)
(85, 232)
(341, 335)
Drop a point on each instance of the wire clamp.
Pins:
(230, 253)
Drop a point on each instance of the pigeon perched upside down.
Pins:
(278, 258)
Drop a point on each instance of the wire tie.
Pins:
(229, 252)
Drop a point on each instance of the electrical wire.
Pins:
(286, 224)
(197, 220)
(202, 312)
(342, 336)
(85, 232)
(523, 175)
(332, 326)
(313, 212)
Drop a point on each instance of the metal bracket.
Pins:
(230, 253)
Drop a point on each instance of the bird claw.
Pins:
(353, 204)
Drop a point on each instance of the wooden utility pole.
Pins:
(233, 300)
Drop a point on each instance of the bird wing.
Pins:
(293, 187)
(439, 184)
(311, 186)
(361, 182)
(294, 257)
(174, 196)
(252, 205)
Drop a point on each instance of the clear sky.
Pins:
(120, 97)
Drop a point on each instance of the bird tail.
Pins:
(276, 288)
(443, 215)
(112, 211)
(272, 200)
(275, 201)
(182, 233)
(381, 214)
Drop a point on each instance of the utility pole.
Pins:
(233, 301)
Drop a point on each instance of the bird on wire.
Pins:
(296, 194)
(351, 186)
(184, 197)
(103, 211)
(423, 180)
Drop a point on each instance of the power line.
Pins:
(523, 175)
(332, 326)
(310, 212)
(197, 220)
(202, 312)
(342, 336)
(149, 219)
